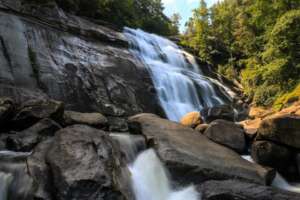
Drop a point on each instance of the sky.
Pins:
(184, 8)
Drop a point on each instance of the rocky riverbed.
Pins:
(74, 99)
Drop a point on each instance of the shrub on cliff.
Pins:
(145, 14)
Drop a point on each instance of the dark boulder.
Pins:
(191, 157)
(276, 156)
(270, 154)
(225, 112)
(118, 124)
(26, 140)
(96, 120)
(86, 164)
(237, 190)
(33, 111)
(40, 171)
(6, 112)
(228, 134)
(283, 130)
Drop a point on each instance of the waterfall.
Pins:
(5, 181)
(149, 177)
(15, 183)
(181, 87)
(279, 181)
(150, 180)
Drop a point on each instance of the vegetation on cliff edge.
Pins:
(254, 41)
(144, 14)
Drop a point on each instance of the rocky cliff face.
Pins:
(46, 53)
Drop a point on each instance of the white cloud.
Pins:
(168, 2)
(192, 1)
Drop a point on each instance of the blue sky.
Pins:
(183, 7)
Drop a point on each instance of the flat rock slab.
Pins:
(92, 119)
(236, 190)
(191, 157)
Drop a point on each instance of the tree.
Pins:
(255, 41)
(175, 23)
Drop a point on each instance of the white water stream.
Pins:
(181, 87)
(279, 181)
(151, 182)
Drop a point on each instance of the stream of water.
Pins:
(180, 84)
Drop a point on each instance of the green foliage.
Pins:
(287, 98)
(197, 34)
(254, 41)
(145, 14)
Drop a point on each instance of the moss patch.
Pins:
(287, 98)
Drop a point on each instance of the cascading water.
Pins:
(150, 180)
(130, 145)
(279, 181)
(148, 175)
(5, 182)
(15, 183)
(178, 80)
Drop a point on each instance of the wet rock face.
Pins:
(86, 165)
(56, 55)
(191, 157)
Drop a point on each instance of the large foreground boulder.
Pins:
(237, 190)
(86, 164)
(191, 157)
(227, 133)
(283, 129)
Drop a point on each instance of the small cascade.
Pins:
(130, 145)
(149, 177)
(279, 181)
(181, 87)
(15, 183)
(5, 182)
(150, 180)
